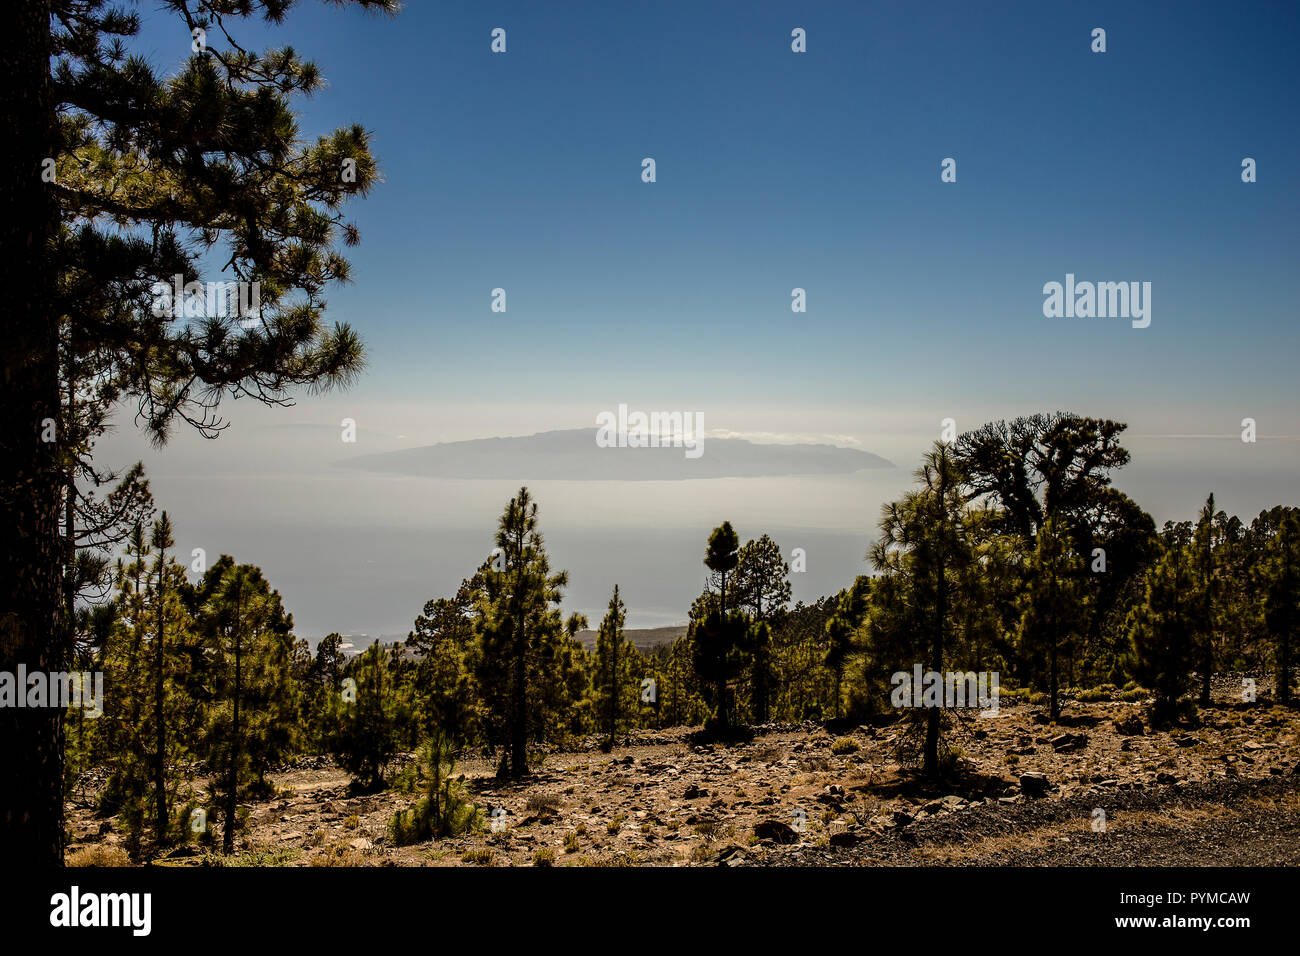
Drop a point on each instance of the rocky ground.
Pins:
(1097, 788)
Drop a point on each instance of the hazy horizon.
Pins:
(357, 552)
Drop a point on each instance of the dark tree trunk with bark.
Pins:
(613, 692)
(1284, 642)
(159, 711)
(935, 714)
(1207, 650)
(232, 783)
(32, 630)
(519, 696)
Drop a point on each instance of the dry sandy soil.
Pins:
(1225, 792)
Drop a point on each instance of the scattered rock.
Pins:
(775, 830)
(1033, 783)
(727, 855)
(1066, 743)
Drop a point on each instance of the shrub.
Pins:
(99, 854)
(542, 803)
(845, 745)
(1094, 694)
(708, 829)
(444, 811)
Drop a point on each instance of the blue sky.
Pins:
(821, 171)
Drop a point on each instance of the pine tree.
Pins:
(612, 667)
(126, 668)
(248, 637)
(142, 735)
(929, 542)
(152, 169)
(168, 618)
(327, 668)
(1163, 629)
(363, 738)
(1204, 543)
(762, 589)
(1060, 465)
(761, 583)
(721, 558)
(443, 637)
(760, 670)
(719, 639)
(1042, 466)
(1281, 573)
(445, 809)
(848, 617)
(1053, 603)
(522, 638)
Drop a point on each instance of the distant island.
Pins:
(573, 455)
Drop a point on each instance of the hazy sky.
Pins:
(775, 170)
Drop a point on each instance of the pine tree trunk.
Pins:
(1053, 681)
(1284, 639)
(160, 727)
(232, 779)
(1207, 656)
(613, 695)
(519, 694)
(935, 714)
(32, 630)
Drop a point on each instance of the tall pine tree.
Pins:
(124, 176)
(613, 664)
